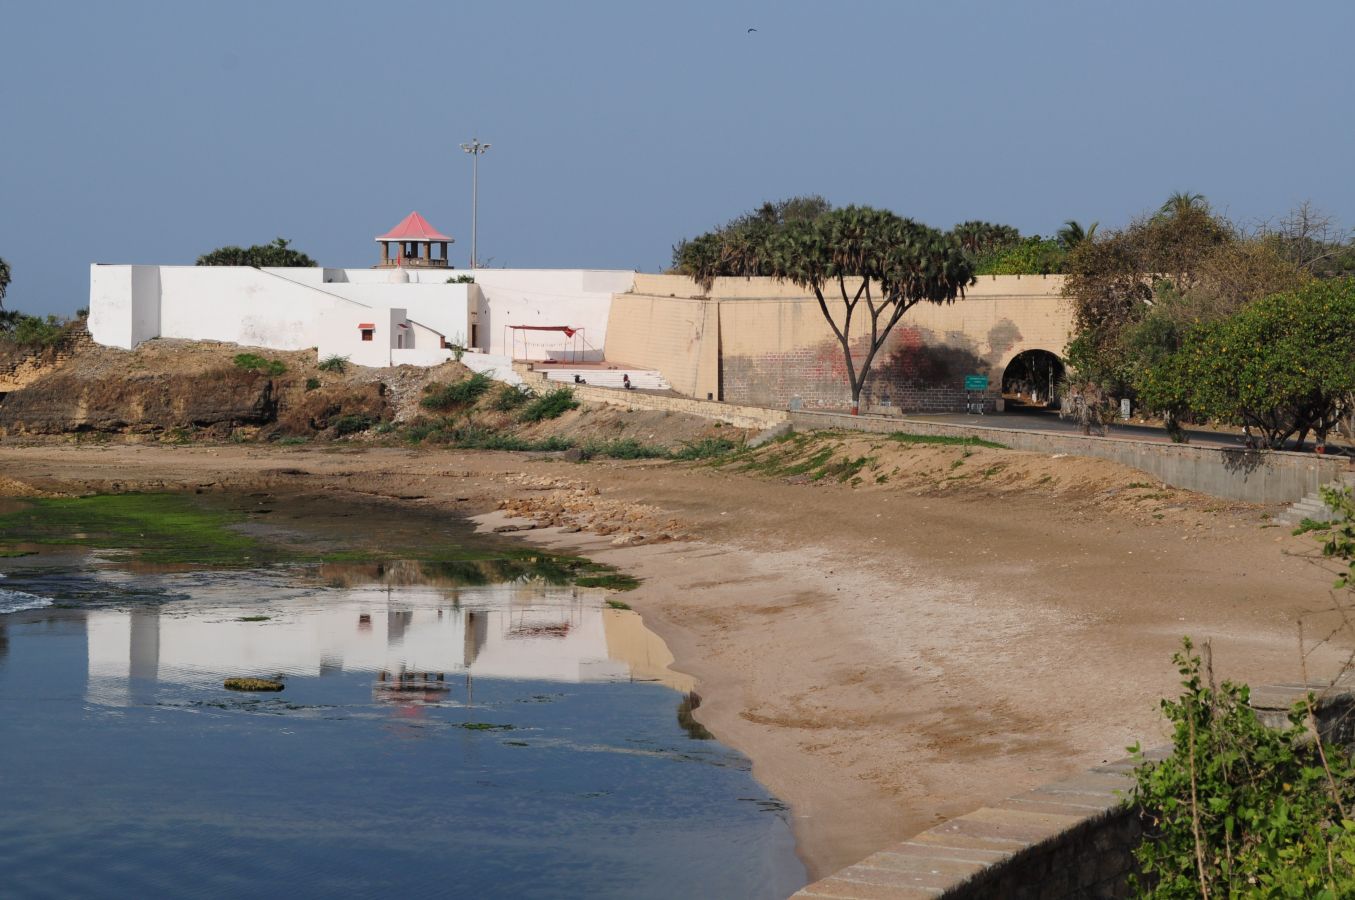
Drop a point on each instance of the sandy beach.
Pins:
(886, 658)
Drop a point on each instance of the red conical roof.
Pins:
(414, 227)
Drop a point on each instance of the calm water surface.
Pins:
(505, 740)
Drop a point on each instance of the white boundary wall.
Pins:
(291, 308)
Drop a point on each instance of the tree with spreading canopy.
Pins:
(278, 254)
(866, 267)
(1283, 365)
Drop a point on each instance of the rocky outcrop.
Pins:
(64, 402)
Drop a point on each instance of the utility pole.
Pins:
(476, 150)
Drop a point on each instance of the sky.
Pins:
(152, 132)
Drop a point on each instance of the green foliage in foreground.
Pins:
(1240, 809)
(445, 397)
(551, 405)
(253, 362)
(353, 423)
(335, 363)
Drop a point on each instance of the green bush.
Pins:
(622, 448)
(352, 423)
(461, 279)
(1240, 809)
(336, 364)
(253, 362)
(549, 406)
(509, 397)
(31, 331)
(444, 397)
(706, 448)
(312, 383)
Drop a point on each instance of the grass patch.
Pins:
(617, 604)
(253, 362)
(312, 383)
(14, 554)
(445, 397)
(551, 405)
(336, 364)
(616, 581)
(253, 684)
(945, 440)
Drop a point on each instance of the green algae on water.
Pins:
(161, 528)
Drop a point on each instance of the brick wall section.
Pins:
(1248, 475)
(1074, 838)
(25, 367)
(738, 416)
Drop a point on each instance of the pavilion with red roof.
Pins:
(413, 239)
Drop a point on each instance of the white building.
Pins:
(405, 310)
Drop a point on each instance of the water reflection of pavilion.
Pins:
(504, 631)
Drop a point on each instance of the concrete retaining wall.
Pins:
(1248, 475)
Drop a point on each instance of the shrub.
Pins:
(312, 383)
(549, 406)
(443, 397)
(1239, 808)
(463, 278)
(622, 448)
(352, 423)
(253, 362)
(31, 331)
(509, 397)
(336, 364)
(705, 448)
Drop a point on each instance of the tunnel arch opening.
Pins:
(1032, 379)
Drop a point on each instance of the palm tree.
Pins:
(1181, 201)
(1072, 233)
(4, 280)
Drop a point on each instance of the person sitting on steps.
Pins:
(625, 382)
(578, 379)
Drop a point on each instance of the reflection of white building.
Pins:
(491, 633)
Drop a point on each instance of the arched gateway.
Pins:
(1032, 378)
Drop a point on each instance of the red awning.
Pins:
(414, 227)
(366, 324)
(569, 332)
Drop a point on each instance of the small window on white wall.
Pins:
(367, 333)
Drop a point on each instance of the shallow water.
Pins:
(501, 740)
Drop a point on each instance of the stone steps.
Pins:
(640, 379)
(1312, 507)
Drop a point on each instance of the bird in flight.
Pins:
(751, 30)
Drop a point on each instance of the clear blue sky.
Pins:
(152, 132)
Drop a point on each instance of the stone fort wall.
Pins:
(763, 343)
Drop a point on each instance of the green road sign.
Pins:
(976, 382)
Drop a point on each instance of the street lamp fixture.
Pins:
(476, 150)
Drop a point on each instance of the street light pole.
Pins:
(476, 150)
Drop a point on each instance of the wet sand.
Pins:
(885, 658)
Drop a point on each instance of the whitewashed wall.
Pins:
(124, 304)
(281, 308)
(578, 298)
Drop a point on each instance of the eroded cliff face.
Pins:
(181, 390)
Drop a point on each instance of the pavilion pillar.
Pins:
(385, 253)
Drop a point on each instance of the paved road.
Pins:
(1028, 419)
